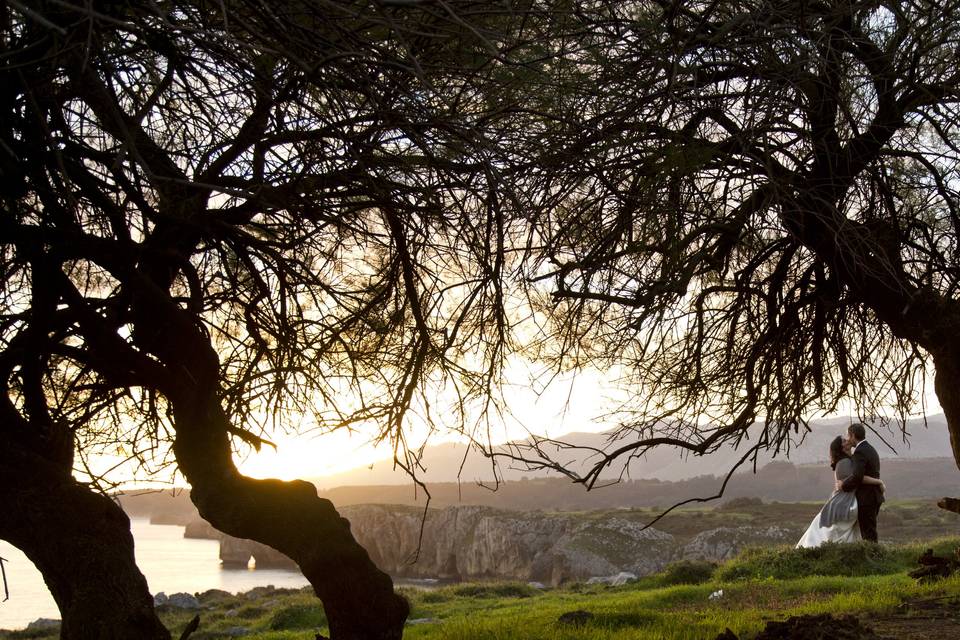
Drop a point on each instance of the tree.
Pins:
(220, 215)
(750, 210)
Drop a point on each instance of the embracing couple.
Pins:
(851, 513)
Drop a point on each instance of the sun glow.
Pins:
(570, 403)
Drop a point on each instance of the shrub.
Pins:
(495, 590)
(688, 572)
(831, 559)
(250, 611)
(297, 616)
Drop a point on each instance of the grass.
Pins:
(678, 612)
(862, 559)
(759, 585)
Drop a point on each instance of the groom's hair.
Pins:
(858, 431)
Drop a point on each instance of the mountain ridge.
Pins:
(928, 438)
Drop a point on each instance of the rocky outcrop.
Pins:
(472, 542)
(718, 545)
(236, 552)
(460, 543)
(201, 529)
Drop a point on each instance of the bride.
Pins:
(837, 521)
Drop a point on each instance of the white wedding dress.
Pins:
(841, 510)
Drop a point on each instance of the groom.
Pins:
(866, 462)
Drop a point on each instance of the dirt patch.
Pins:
(922, 619)
(937, 618)
(819, 627)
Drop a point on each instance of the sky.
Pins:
(572, 402)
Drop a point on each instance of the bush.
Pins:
(495, 590)
(831, 559)
(250, 611)
(688, 572)
(298, 616)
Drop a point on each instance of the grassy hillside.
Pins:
(758, 586)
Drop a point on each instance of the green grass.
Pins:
(679, 612)
(687, 572)
(863, 559)
(759, 585)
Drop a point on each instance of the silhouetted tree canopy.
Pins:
(749, 212)
(221, 217)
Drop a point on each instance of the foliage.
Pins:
(494, 590)
(860, 559)
(225, 220)
(688, 572)
(644, 610)
(751, 218)
(320, 217)
(297, 616)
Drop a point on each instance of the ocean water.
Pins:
(170, 563)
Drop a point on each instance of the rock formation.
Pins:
(471, 542)
(718, 545)
(236, 552)
(461, 543)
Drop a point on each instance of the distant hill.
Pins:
(929, 478)
(660, 480)
(443, 461)
(780, 481)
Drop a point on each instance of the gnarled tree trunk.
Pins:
(81, 543)
(289, 516)
(947, 385)
(358, 598)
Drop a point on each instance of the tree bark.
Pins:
(947, 385)
(358, 597)
(81, 543)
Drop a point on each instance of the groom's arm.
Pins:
(859, 469)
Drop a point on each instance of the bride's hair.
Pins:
(836, 452)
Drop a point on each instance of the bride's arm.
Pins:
(838, 485)
(875, 481)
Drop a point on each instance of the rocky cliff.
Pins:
(466, 543)
(238, 551)
(461, 543)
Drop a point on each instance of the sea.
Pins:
(170, 562)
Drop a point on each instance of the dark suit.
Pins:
(866, 462)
